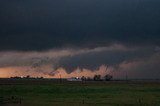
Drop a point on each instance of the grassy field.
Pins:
(79, 94)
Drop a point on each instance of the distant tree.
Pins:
(108, 77)
(28, 76)
(83, 78)
(88, 79)
(16, 77)
(97, 78)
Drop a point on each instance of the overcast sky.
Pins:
(45, 37)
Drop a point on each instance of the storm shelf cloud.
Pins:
(45, 38)
(78, 62)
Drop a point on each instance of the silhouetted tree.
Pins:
(97, 78)
(108, 77)
(83, 78)
(28, 76)
(88, 79)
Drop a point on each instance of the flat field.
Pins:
(49, 93)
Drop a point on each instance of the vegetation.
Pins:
(108, 77)
(81, 94)
(97, 78)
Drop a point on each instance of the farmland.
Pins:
(45, 92)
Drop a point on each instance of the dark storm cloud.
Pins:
(40, 25)
(138, 62)
(142, 69)
(110, 58)
(70, 59)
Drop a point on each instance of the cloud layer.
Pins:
(137, 62)
(46, 38)
(43, 25)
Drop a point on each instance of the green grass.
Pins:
(83, 95)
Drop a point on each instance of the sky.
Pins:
(70, 38)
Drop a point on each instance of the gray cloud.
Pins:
(43, 25)
(16, 58)
(47, 36)
(137, 61)
(109, 57)
(142, 69)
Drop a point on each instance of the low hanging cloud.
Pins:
(144, 69)
(60, 72)
(35, 59)
(45, 63)
(116, 60)
(102, 70)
